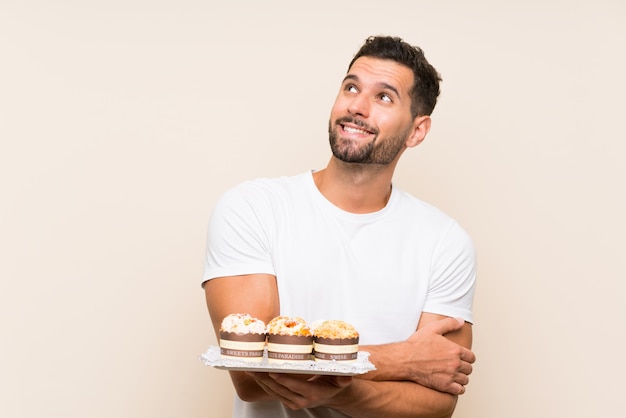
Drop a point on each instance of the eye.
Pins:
(385, 98)
(351, 88)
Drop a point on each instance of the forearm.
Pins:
(437, 356)
(391, 362)
(247, 388)
(375, 399)
(255, 294)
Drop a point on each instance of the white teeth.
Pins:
(354, 130)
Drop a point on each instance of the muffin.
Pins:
(242, 337)
(335, 340)
(289, 339)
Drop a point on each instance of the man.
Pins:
(342, 243)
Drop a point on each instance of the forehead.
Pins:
(379, 71)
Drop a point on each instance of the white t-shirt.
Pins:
(378, 271)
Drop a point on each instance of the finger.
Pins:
(460, 389)
(289, 385)
(465, 368)
(338, 381)
(461, 379)
(266, 388)
(468, 355)
(445, 325)
(289, 390)
(343, 381)
(277, 384)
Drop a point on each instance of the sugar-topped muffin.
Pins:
(335, 340)
(289, 339)
(242, 337)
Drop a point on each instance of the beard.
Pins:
(380, 150)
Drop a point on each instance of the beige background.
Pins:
(121, 122)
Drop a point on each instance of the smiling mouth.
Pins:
(351, 130)
(355, 127)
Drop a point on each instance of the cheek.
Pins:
(392, 124)
(385, 124)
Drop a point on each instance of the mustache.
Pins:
(356, 122)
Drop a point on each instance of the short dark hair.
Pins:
(426, 78)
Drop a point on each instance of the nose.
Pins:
(359, 106)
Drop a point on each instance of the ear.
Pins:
(421, 127)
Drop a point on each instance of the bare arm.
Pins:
(358, 398)
(392, 390)
(437, 355)
(255, 294)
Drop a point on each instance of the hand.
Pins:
(436, 361)
(297, 391)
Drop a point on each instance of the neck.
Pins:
(356, 188)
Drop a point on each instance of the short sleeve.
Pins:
(237, 240)
(453, 280)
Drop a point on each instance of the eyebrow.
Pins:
(381, 85)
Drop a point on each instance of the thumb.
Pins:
(343, 381)
(446, 325)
